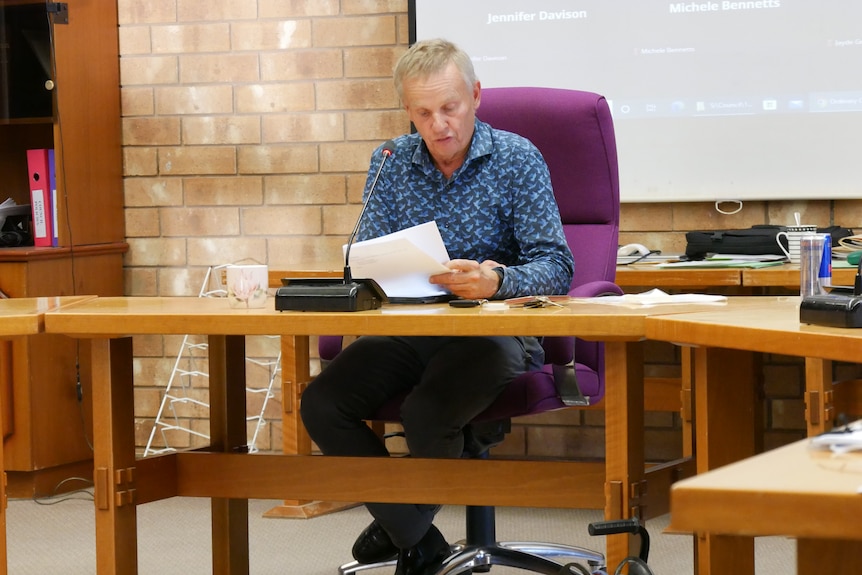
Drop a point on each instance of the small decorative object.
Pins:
(246, 285)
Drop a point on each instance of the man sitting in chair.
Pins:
(490, 193)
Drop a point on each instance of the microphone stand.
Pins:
(388, 150)
(328, 294)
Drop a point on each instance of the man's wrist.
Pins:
(500, 273)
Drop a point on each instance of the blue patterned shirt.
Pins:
(498, 205)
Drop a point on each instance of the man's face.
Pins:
(443, 109)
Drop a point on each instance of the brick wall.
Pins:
(247, 129)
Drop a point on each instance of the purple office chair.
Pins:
(574, 132)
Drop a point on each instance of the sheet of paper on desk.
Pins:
(839, 440)
(402, 262)
(729, 261)
(655, 297)
(745, 258)
(648, 259)
(842, 264)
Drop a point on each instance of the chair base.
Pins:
(533, 557)
(356, 566)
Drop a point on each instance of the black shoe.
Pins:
(424, 558)
(374, 545)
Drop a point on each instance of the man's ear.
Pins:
(477, 94)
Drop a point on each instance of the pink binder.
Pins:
(40, 196)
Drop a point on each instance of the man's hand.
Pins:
(470, 279)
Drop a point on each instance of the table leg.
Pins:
(295, 375)
(114, 456)
(818, 395)
(725, 400)
(828, 556)
(228, 434)
(687, 401)
(624, 443)
(5, 385)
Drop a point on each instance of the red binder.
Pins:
(40, 197)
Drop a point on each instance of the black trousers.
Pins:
(449, 380)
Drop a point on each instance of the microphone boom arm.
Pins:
(387, 151)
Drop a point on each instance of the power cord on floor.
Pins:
(83, 494)
(79, 392)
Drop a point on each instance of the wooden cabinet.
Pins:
(48, 435)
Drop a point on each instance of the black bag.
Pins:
(756, 240)
(837, 232)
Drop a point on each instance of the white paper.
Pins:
(403, 261)
(840, 440)
(656, 297)
(724, 263)
(746, 257)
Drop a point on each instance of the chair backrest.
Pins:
(574, 132)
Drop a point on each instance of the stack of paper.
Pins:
(402, 262)
(840, 439)
(729, 261)
(654, 297)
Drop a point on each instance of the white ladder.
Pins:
(179, 401)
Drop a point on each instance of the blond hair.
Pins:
(428, 57)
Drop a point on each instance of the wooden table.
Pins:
(672, 278)
(230, 478)
(791, 491)
(786, 276)
(19, 317)
(725, 385)
(296, 375)
(820, 400)
(295, 369)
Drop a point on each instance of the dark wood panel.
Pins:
(88, 134)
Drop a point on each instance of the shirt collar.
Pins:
(480, 146)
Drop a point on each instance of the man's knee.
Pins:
(313, 407)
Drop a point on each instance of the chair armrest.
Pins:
(595, 289)
(560, 351)
(328, 347)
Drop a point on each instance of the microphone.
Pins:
(837, 308)
(329, 294)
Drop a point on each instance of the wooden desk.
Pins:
(786, 275)
(295, 371)
(725, 388)
(230, 478)
(819, 399)
(296, 375)
(18, 317)
(24, 316)
(664, 278)
(789, 491)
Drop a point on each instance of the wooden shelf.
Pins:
(25, 121)
(49, 430)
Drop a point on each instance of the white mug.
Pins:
(246, 285)
(793, 234)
